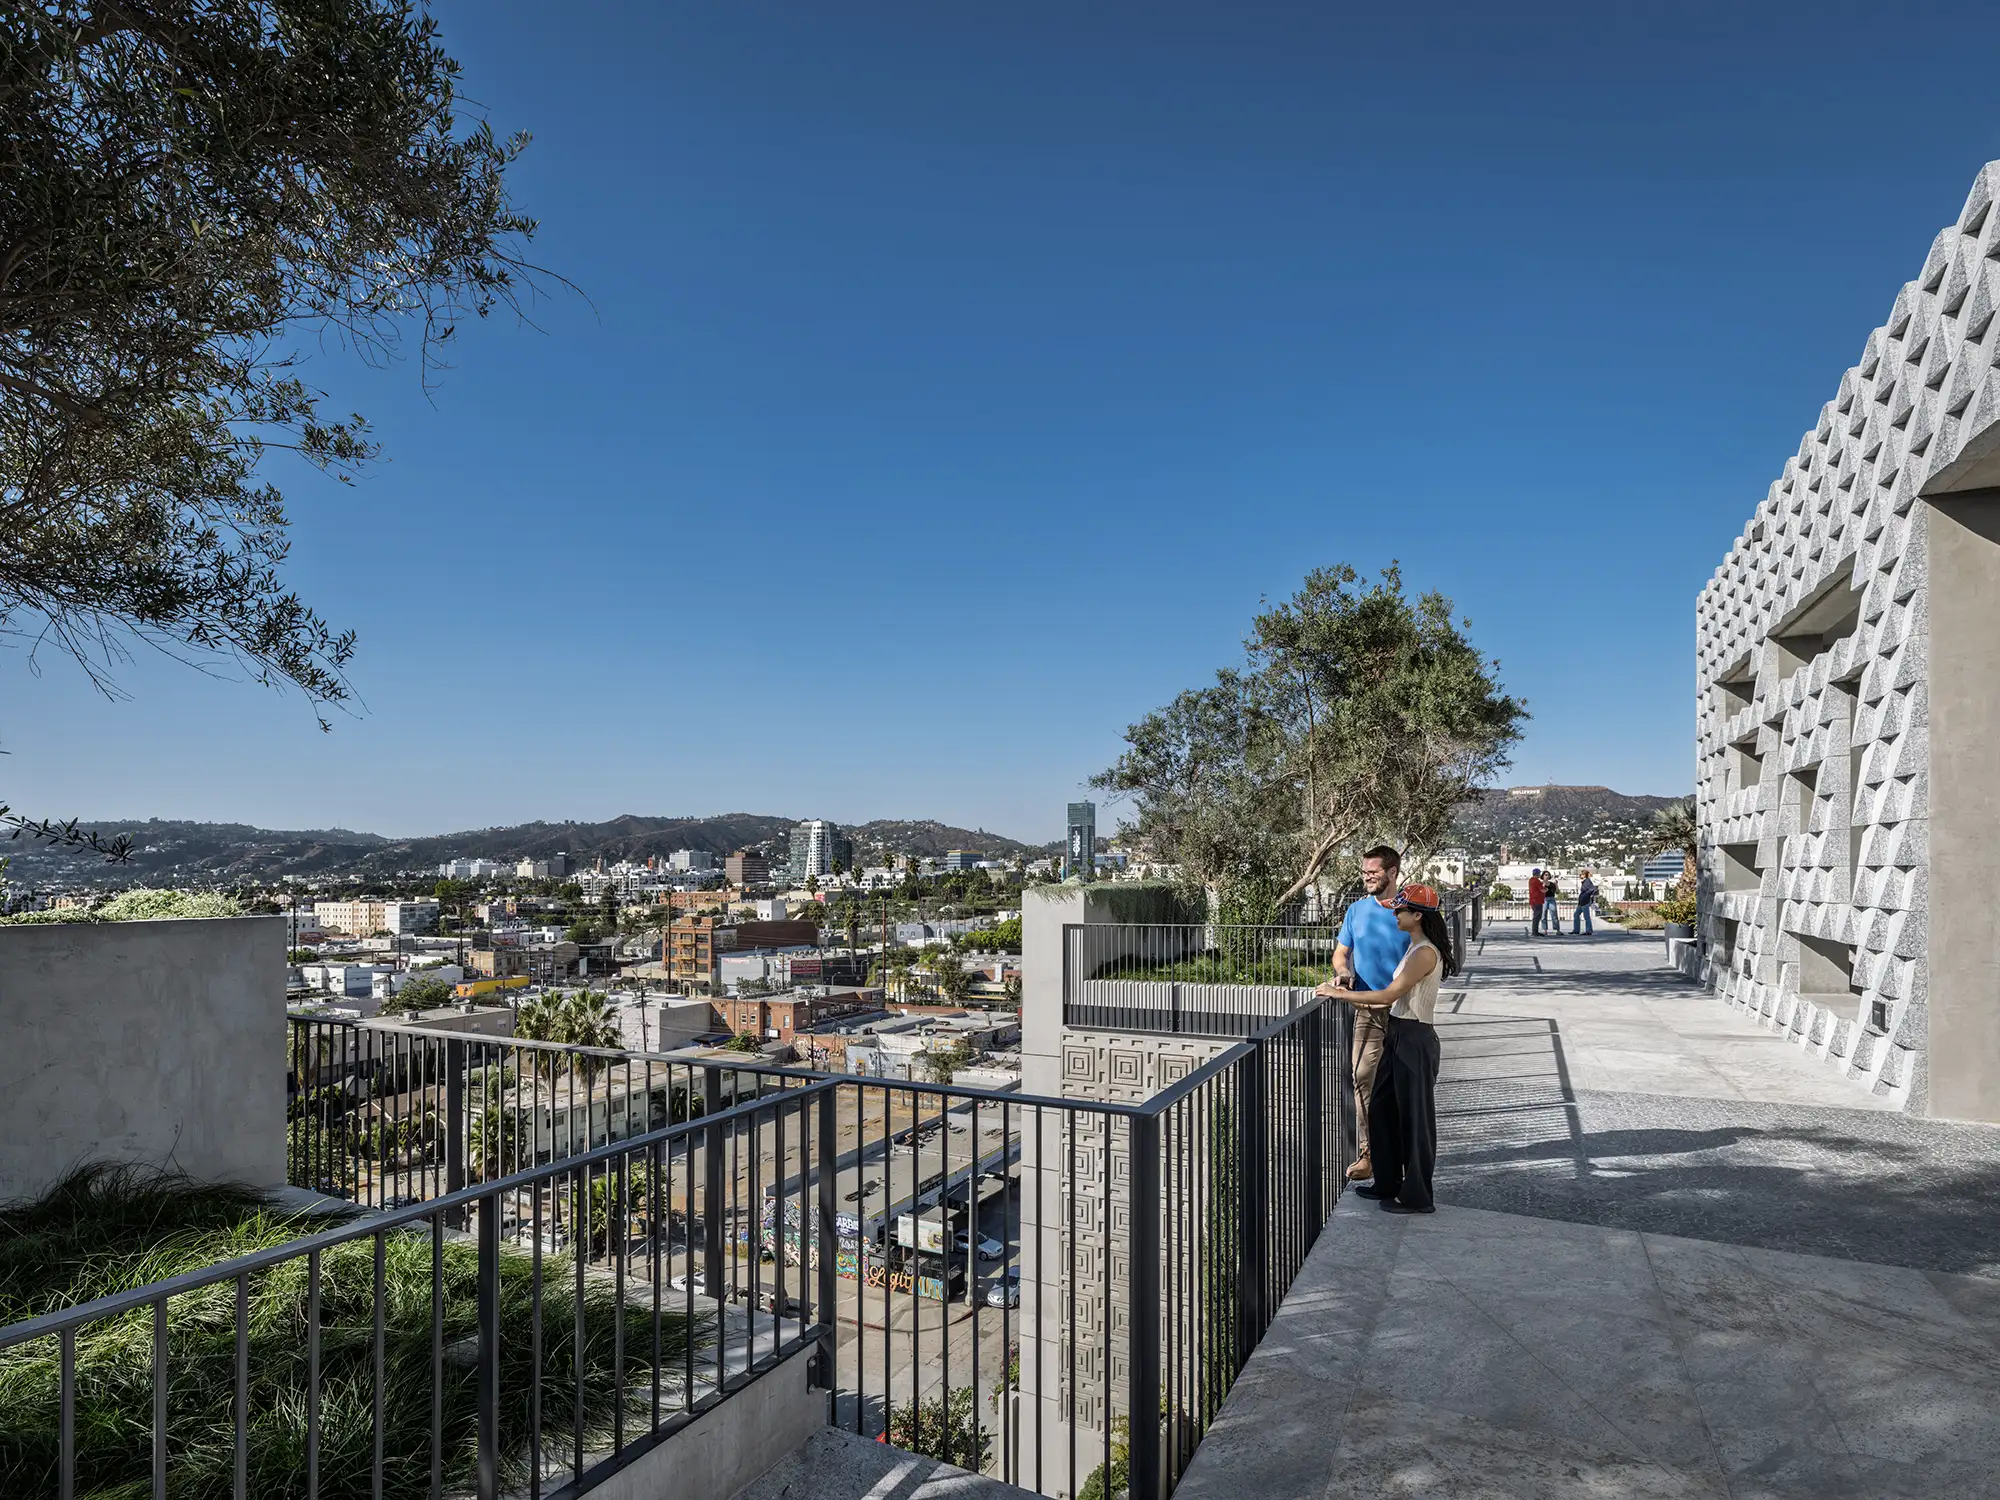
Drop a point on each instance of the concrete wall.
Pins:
(729, 1447)
(1059, 1062)
(1964, 878)
(1845, 716)
(153, 1042)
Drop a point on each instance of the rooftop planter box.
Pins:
(153, 1042)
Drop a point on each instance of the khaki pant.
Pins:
(1369, 1029)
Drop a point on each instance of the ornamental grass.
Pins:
(112, 1230)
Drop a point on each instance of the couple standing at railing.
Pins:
(1393, 952)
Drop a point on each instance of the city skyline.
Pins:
(1046, 346)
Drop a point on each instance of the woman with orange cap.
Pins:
(1402, 1107)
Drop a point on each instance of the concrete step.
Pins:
(833, 1465)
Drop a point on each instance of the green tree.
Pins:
(1360, 714)
(607, 908)
(191, 194)
(589, 1022)
(950, 976)
(495, 1134)
(742, 1042)
(945, 1428)
(941, 1062)
(1010, 990)
(426, 992)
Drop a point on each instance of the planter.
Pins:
(1674, 930)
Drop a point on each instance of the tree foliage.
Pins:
(192, 193)
(426, 992)
(1676, 830)
(1360, 714)
(945, 1428)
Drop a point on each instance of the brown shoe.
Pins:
(1361, 1171)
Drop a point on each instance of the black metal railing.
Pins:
(606, 1245)
(1208, 979)
(417, 1351)
(1204, 979)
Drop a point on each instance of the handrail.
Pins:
(372, 1223)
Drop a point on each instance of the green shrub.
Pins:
(137, 906)
(1682, 909)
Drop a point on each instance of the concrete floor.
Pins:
(1611, 1300)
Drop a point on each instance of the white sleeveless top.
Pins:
(1421, 1002)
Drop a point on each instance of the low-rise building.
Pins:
(691, 951)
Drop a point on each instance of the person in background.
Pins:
(1537, 895)
(1371, 944)
(1586, 897)
(1402, 1107)
(1549, 906)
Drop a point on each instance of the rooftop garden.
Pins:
(105, 1231)
(134, 906)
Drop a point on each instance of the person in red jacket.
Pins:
(1537, 895)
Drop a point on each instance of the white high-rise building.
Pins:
(816, 845)
(691, 861)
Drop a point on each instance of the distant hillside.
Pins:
(167, 852)
(930, 839)
(1559, 822)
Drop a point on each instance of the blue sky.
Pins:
(954, 381)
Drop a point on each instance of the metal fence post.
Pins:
(489, 1349)
(826, 1246)
(711, 1186)
(1313, 1036)
(1253, 1232)
(1143, 1313)
(455, 1122)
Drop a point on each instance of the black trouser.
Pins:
(1402, 1113)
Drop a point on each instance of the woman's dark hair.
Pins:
(1438, 931)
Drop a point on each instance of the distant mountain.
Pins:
(928, 839)
(167, 852)
(1559, 823)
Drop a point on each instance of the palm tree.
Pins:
(1675, 830)
(588, 1022)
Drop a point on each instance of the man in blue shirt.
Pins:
(1370, 946)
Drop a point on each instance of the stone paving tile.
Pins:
(1728, 1274)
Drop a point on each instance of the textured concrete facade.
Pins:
(1848, 670)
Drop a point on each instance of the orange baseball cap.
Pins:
(1418, 895)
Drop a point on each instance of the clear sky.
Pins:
(955, 379)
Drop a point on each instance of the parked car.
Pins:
(989, 1249)
(1006, 1289)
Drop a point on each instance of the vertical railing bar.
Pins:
(375, 1413)
(656, 1215)
(617, 1234)
(240, 1414)
(488, 1346)
(1069, 1257)
(66, 1429)
(535, 1340)
(437, 1355)
(579, 1237)
(312, 1374)
(160, 1399)
(826, 1247)
(1143, 1313)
